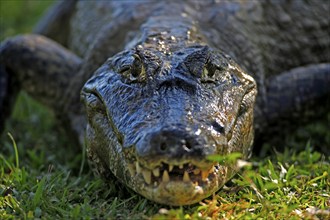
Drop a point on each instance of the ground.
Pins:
(43, 177)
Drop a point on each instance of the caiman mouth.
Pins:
(187, 173)
(179, 184)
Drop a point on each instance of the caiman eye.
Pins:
(208, 70)
(133, 69)
(210, 73)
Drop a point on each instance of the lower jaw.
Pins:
(177, 193)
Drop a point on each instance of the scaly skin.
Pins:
(160, 111)
(165, 95)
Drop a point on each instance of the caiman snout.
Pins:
(172, 144)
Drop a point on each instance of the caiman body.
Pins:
(166, 84)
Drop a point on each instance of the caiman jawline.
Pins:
(165, 173)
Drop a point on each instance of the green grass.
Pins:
(287, 185)
(43, 177)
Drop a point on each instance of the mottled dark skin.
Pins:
(165, 85)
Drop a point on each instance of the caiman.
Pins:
(155, 87)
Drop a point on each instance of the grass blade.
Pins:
(15, 149)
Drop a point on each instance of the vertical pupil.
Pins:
(136, 67)
(210, 69)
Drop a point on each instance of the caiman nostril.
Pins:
(218, 127)
(163, 146)
(187, 146)
(170, 144)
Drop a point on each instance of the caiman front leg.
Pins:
(37, 65)
(294, 98)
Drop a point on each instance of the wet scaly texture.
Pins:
(165, 84)
(168, 103)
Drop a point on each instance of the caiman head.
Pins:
(154, 118)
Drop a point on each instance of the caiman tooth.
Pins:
(205, 174)
(181, 166)
(131, 169)
(138, 168)
(166, 177)
(196, 171)
(199, 190)
(170, 167)
(155, 172)
(147, 176)
(155, 183)
(186, 177)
